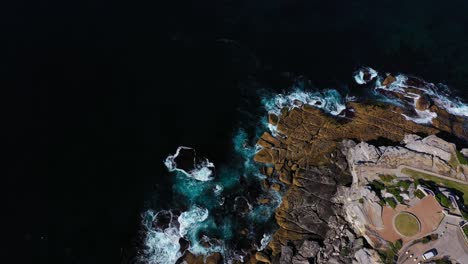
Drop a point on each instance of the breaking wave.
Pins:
(413, 88)
(365, 75)
(219, 207)
(329, 100)
(162, 243)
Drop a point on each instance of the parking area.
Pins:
(450, 243)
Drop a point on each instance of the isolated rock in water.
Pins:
(423, 103)
(388, 80)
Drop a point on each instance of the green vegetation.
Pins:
(377, 185)
(407, 224)
(387, 178)
(443, 200)
(447, 183)
(396, 193)
(462, 159)
(391, 202)
(344, 252)
(361, 200)
(453, 162)
(416, 183)
(419, 194)
(388, 256)
(404, 184)
(457, 159)
(398, 245)
(443, 261)
(429, 238)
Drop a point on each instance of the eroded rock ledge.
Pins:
(306, 155)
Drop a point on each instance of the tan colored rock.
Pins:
(273, 119)
(388, 80)
(264, 156)
(285, 177)
(215, 258)
(276, 187)
(269, 171)
(423, 103)
(260, 256)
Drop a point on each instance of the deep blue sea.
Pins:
(99, 94)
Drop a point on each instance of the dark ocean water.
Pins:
(98, 94)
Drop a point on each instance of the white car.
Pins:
(430, 254)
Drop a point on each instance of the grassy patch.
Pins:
(419, 194)
(404, 184)
(465, 230)
(407, 224)
(391, 202)
(454, 161)
(444, 201)
(462, 159)
(463, 188)
(388, 256)
(387, 178)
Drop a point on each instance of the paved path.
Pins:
(400, 174)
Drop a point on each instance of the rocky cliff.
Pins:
(305, 156)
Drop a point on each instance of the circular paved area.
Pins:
(406, 224)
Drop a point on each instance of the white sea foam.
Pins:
(188, 219)
(453, 106)
(442, 99)
(264, 242)
(162, 244)
(329, 100)
(424, 117)
(203, 171)
(218, 189)
(359, 75)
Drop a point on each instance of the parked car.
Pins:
(430, 254)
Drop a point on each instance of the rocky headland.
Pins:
(316, 156)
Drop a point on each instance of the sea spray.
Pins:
(217, 209)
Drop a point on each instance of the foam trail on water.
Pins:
(202, 171)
